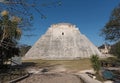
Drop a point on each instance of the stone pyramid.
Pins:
(62, 41)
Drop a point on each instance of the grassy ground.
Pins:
(81, 64)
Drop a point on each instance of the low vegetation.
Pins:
(97, 67)
(11, 74)
(115, 49)
(95, 63)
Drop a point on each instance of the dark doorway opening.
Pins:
(62, 33)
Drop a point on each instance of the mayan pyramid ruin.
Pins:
(62, 41)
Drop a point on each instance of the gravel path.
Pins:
(52, 78)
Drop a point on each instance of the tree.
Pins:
(111, 31)
(19, 13)
(9, 27)
(25, 9)
(115, 49)
(9, 34)
(24, 49)
(95, 63)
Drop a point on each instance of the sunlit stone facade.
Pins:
(62, 41)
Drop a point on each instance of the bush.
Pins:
(115, 49)
(95, 63)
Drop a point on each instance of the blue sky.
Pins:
(89, 16)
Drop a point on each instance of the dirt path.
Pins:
(52, 78)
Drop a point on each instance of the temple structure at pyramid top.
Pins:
(62, 41)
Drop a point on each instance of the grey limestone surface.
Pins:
(62, 41)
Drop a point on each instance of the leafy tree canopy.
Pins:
(111, 31)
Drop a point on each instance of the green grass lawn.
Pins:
(80, 64)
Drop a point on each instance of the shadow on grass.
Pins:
(9, 72)
(39, 65)
(28, 64)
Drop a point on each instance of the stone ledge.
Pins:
(87, 79)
